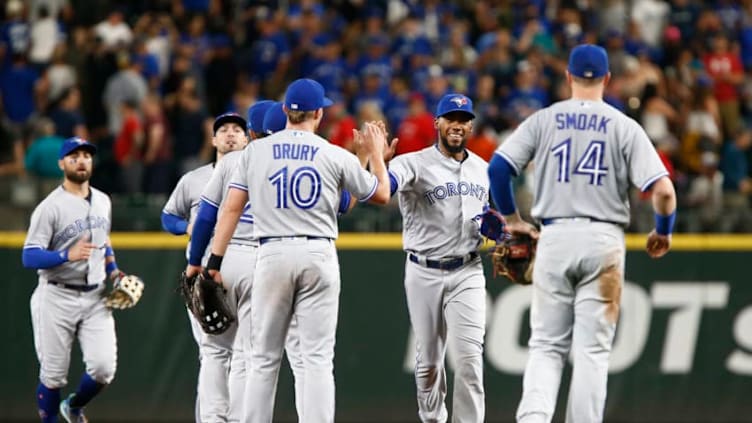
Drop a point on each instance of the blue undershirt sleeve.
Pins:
(37, 258)
(500, 174)
(202, 232)
(175, 225)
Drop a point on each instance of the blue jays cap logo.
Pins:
(459, 101)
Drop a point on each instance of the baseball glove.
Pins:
(210, 305)
(126, 291)
(493, 225)
(185, 289)
(514, 258)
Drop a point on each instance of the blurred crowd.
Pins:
(143, 80)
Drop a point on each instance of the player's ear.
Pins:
(60, 164)
(607, 79)
(569, 77)
(436, 123)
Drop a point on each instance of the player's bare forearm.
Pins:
(664, 205)
(376, 137)
(664, 196)
(229, 215)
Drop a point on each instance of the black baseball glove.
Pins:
(210, 306)
(514, 258)
(185, 289)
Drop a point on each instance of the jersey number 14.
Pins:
(589, 164)
(289, 189)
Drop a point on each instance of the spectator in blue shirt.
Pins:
(18, 85)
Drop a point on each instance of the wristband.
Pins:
(110, 267)
(64, 256)
(214, 262)
(108, 251)
(664, 225)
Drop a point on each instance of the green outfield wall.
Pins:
(683, 351)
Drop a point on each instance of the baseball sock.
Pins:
(48, 401)
(88, 388)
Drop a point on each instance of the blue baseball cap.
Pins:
(256, 115)
(75, 143)
(231, 117)
(305, 95)
(455, 103)
(588, 61)
(275, 119)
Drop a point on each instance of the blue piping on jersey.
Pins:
(238, 186)
(39, 258)
(175, 225)
(370, 194)
(393, 184)
(649, 183)
(500, 173)
(203, 228)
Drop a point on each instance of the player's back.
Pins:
(295, 178)
(585, 154)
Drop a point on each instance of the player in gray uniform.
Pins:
(586, 154)
(68, 242)
(179, 216)
(443, 189)
(295, 178)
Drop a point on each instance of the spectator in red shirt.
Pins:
(157, 147)
(128, 148)
(725, 69)
(417, 130)
(337, 125)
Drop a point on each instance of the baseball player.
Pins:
(256, 114)
(68, 242)
(442, 191)
(296, 177)
(179, 217)
(586, 154)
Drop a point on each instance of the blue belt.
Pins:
(81, 288)
(555, 220)
(264, 240)
(446, 263)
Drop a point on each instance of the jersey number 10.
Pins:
(590, 164)
(290, 188)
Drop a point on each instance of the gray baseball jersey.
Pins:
(440, 200)
(586, 153)
(185, 197)
(59, 221)
(216, 191)
(288, 172)
(61, 314)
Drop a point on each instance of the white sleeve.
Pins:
(519, 148)
(41, 228)
(644, 164)
(401, 171)
(214, 189)
(239, 175)
(179, 203)
(361, 183)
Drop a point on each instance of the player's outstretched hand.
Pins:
(391, 148)
(215, 275)
(81, 250)
(518, 226)
(658, 245)
(377, 135)
(359, 148)
(191, 270)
